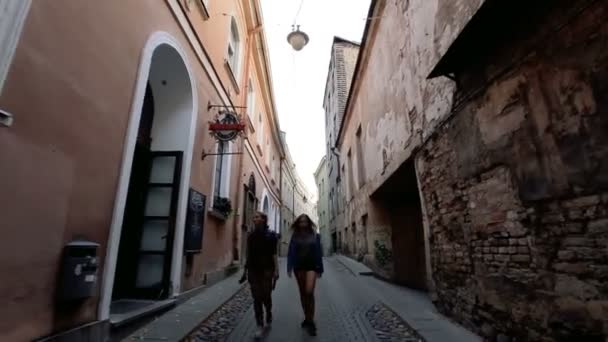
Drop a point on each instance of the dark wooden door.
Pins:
(408, 245)
(154, 251)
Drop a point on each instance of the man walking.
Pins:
(262, 271)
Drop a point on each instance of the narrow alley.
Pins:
(350, 307)
(447, 159)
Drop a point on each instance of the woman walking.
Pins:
(305, 258)
(261, 269)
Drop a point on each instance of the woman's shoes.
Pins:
(310, 326)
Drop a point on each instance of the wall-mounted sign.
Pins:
(226, 126)
(195, 222)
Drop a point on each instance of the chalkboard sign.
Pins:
(195, 222)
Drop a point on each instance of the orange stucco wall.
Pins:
(70, 88)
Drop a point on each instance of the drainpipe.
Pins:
(281, 188)
(281, 159)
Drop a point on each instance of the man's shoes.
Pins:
(304, 324)
(259, 333)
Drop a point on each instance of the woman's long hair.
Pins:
(310, 229)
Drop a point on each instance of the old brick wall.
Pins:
(516, 192)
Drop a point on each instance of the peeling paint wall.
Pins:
(395, 105)
(513, 176)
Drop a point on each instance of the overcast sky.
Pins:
(299, 77)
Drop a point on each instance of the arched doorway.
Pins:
(143, 262)
(265, 205)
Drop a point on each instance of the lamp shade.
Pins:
(297, 39)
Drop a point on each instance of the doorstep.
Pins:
(178, 322)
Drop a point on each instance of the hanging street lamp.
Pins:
(297, 39)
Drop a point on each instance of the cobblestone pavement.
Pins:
(340, 313)
(218, 326)
(389, 326)
(350, 307)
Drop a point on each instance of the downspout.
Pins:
(281, 159)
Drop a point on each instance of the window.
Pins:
(222, 171)
(365, 246)
(260, 130)
(360, 163)
(353, 233)
(265, 205)
(233, 47)
(267, 148)
(12, 17)
(250, 98)
(335, 128)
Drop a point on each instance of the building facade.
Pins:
(131, 182)
(340, 73)
(297, 199)
(474, 148)
(328, 239)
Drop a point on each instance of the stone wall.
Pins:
(395, 105)
(516, 192)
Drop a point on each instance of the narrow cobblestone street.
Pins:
(447, 160)
(350, 307)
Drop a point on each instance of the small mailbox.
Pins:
(79, 270)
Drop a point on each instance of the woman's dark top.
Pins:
(261, 249)
(305, 253)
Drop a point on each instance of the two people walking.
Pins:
(304, 259)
